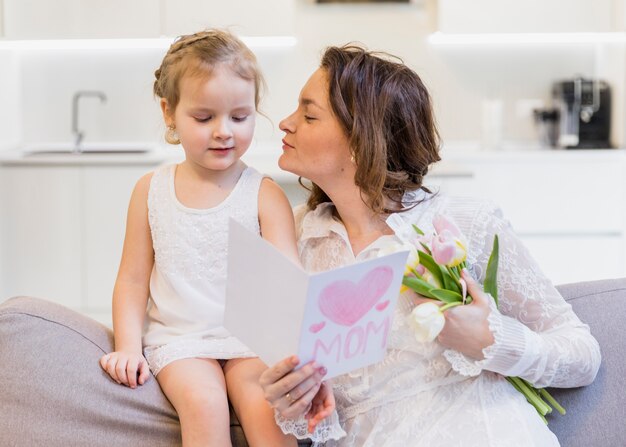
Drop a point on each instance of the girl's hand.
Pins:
(126, 368)
(467, 329)
(322, 406)
(288, 391)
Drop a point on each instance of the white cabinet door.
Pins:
(41, 231)
(106, 191)
(243, 17)
(584, 258)
(62, 19)
(514, 16)
(551, 195)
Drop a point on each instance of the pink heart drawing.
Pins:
(382, 306)
(345, 302)
(315, 328)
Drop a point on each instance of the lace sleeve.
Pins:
(328, 429)
(537, 334)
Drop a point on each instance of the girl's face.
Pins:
(214, 118)
(315, 146)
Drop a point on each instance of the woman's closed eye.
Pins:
(309, 118)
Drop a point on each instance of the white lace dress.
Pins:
(426, 395)
(188, 281)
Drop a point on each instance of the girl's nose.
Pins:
(222, 130)
(287, 124)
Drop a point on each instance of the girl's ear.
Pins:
(168, 116)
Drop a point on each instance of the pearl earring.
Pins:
(171, 135)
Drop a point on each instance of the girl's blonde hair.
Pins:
(197, 55)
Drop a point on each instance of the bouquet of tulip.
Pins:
(434, 271)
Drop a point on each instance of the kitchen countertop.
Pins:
(264, 157)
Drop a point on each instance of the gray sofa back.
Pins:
(53, 393)
(596, 414)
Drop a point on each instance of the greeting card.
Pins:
(341, 318)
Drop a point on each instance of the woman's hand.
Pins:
(291, 392)
(467, 329)
(126, 368)
(322, 406)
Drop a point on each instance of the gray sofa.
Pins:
(53, 392)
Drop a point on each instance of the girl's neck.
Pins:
(224, 178)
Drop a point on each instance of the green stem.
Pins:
(551, 400)
(449, 305)
(532, 397)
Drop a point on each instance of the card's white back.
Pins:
(260, 280)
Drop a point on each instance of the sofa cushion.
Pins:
(595, 413)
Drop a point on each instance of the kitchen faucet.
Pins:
(78, 134)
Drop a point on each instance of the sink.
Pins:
(95, 148)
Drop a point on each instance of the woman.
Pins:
(364, 134)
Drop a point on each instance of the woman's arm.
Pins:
(537, 335)
(130, 295)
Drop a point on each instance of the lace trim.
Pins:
(159, 357)
(469, 367)
(327, 430)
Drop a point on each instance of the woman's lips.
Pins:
(286, 145)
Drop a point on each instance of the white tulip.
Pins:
(427, 322)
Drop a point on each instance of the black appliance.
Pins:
(584, 110)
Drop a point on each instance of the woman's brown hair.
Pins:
(386, 113)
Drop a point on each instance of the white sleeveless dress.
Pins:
(188, 281)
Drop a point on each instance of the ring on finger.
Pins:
(290, 398)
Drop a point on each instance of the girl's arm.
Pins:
(130, 295)
(276, 219)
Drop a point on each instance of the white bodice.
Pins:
(420, 393)
(188, 281)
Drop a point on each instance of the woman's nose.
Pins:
(287, 124)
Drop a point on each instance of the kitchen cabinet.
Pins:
(70, 19)
(539, 16)
(244, 17)
(63, 231)
(65, 19)
(41, 238)
(568, 207)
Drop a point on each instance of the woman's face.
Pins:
(315, 146)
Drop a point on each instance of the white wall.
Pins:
(460, 79)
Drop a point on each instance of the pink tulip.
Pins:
(442, 223)
(448, 249)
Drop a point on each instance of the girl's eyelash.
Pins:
(239, 119)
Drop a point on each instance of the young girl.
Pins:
(174, 258)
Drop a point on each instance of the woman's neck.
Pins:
(362, 224)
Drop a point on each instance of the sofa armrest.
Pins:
(54, 392)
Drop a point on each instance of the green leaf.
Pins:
(429, 263)
(417, 230)
(447, 296)
(449, 282)
(425, 248)
(491, 281)
(419, 286)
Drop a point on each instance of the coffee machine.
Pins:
(584, 111)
